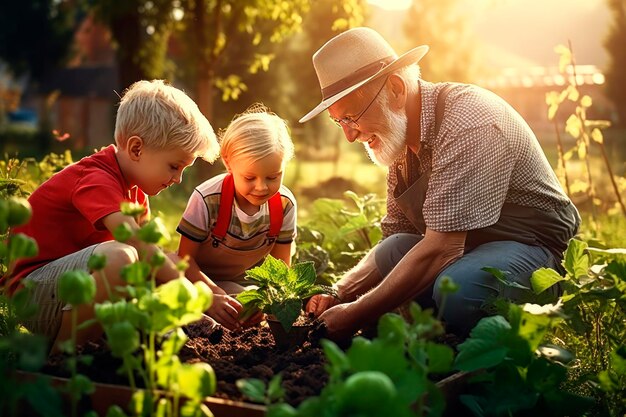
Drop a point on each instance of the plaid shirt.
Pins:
(485, 155)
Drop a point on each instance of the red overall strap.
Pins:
(276, 217)
(225, 211)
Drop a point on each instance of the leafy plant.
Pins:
(280, 290)
(76, 288)
(594, 306)
(338, 234)
(20, 350)
(145, 331)
(519, 376)
(389, 375)
(586, 132)
(259, 392)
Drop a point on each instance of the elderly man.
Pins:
(468, 186)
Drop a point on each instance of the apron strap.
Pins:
(225, 211)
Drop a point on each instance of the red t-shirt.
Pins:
(68, 209)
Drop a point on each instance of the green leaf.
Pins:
(576, 261)
(123, 232)
(21, 246)
(154, 232)
(275, 390)
(287, 312)
(440, 357)
(338, 362)
(305, 275)
(544, 278)
(484, 348)
(501, 276)
(392, 327)
(136, 273)
(123, 338)
(77, 287)
(196, 380)
(388, 358)
(252, 388)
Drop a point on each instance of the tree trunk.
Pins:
(204, 94)
(126, 28)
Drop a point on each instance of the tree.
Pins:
(35, 35)
(141, 30)
(441, 24)
(614, 44)
(216, 34)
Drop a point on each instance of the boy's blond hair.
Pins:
(256, 133)
(165, 118)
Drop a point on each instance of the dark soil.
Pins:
(249, 353)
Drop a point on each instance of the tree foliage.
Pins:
(35, 35)
(614, 44)
(442, 24)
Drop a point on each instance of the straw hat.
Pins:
(352, 59)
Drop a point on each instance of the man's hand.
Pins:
(341, 322)
(225, 310)
(320, 303)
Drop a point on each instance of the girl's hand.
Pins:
(255, 319)
(225, 310)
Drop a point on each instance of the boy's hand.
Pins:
(225, 310)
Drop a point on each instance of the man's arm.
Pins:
(414, 274)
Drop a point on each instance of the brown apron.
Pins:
(531, 226)
(232, 257)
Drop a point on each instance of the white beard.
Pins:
(392, 138)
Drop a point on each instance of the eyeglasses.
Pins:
(352, 122)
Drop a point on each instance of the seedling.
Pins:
(280, 290)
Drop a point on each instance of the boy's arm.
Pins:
(283, 251)
(166, 272)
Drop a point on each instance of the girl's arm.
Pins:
(188, 248)
(225, 309)
(283, 251)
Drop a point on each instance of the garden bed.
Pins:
(249, 353)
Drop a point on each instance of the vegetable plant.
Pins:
(339, 233)
(388, 375)
(20, 350)
(594, 327)
(280, 290)
(144, 329)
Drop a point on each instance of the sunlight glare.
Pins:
(391, 4)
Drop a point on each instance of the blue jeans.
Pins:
(463, 309)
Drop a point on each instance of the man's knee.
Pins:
(460, 310)
(391, 250)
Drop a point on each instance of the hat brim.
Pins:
(410, 57)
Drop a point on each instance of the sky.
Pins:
(525, 32)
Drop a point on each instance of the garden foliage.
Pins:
(280, 290)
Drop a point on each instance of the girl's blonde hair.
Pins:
(164, 117)
(256, 133)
